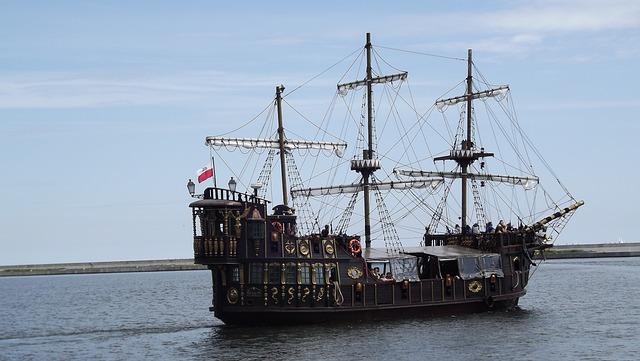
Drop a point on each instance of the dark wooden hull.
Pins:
(362, 301)
(296, 316)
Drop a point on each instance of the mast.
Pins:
(281, 144)
(466, 144)
(368, 153)
(368, 164)
(283, 171)
(468, 153)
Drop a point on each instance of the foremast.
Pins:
(467, 143)
(467, 154)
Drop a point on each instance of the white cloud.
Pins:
(84, 90)
(566, 16)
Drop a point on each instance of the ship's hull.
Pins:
(364, 298)
(297, 316)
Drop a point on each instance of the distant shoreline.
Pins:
(600, 250)
(101, 267)
(557, 252)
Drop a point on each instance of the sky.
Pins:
(104, 105)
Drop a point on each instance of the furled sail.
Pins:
(498, 93)
(526, 182)
(357, 187)
(251, 143)
(344, 88)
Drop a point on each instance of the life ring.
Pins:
(354, 246)
(277, 226)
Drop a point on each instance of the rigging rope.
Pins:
(477, 202)
(322, 72)
(390, 235)
(346, 215)
(437, 215)
(420, 53)
(268, 107)
(301, 204)
(265, 174)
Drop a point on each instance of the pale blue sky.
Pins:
(104, 105)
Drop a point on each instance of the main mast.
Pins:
(368, 153)
(467, 143)
(368, 164)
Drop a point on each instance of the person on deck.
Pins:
(426, 237)
(490, 228)
(325, 231)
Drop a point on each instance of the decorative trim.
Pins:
(354, 272)
(475, 286)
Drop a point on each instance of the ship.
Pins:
(404, 237)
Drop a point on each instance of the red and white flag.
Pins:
(205, 173)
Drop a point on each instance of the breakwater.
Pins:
(101, 267)
(557, 252)
(600, 250)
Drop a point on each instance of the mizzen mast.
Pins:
(283, 171)
(282, 144)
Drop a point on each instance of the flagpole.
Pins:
(213, 166)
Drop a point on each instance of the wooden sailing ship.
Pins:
(272, 264)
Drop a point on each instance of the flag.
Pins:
(205, 173)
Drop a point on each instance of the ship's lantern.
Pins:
(358, 290)
(405, 288)
(232, 184)
(191, 187)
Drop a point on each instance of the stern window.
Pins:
(256, 273)
(305, 274)
(234, 274)
(255, 230)
(290, 275)
(319, 274)
(274, 273)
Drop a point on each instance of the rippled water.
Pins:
(575, 310)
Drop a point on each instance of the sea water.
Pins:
(575, 310)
